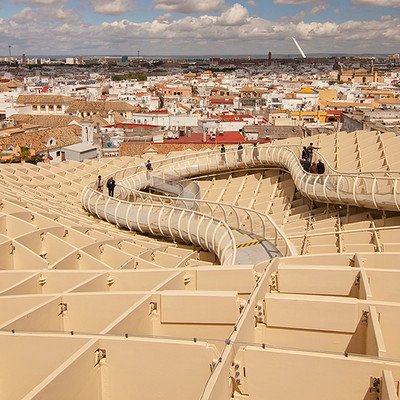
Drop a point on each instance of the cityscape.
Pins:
(199, 200)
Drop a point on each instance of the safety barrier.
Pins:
(190, 226)
(371, 190)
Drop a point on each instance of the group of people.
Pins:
(111, 182)
(110, 185)
(240, 150)
(307, 160)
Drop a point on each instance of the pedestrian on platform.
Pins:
(304, 154)
(149, 168)
(111, 186)
(313, 168)
(223, 159)
(255, 153)
(240, 152)
(306, 165)
(99, 184)
(321, 170)
(310, 150)
(320, 167)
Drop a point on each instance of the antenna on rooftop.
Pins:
(138, 54)
(299, 48)
(9, 53)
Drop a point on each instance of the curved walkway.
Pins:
(210, 224)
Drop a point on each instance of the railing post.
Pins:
(354, 191)
(396, 200)
(373, 193)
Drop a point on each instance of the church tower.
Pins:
(87, 131)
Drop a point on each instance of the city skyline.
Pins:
(178, 27)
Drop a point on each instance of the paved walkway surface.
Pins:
(252, 249)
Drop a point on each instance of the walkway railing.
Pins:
(239, 218)
(375, 189)
(206, 231)
(370, 189)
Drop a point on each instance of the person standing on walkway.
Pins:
(304, 153)
(149, 168)
(310, 150)
(320, 170)
(255, 153)
(223, 159)
(320, 167)
(99, 184)
(111, 186)
(313, 168)
(240, 152)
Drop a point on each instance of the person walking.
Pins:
(223, 159)
(304, 154)
(306, 165)
(320, 170)
(310, 150)
(320, 167)
(240, 152)
(99, 184)
(255, 153)
(313, 168)
(111, 186)
(149, 168)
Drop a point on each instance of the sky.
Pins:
(198, 27)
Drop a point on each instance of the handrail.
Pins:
(230, 213)
(360, 189)
(157, 219)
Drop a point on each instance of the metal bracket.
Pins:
(62, 308)
(100, 355)
(274, 282)
(375, 386)
(42, 280)
(260, 312)
(365, 316)
(152, 307)
(187, 279)
(12, 248)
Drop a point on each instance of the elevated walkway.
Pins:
(196, 221)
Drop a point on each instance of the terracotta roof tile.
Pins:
(97, 106)
(64, 136)
(45, 121)
(43, 99)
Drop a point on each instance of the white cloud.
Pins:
(39, 2)
(114, 7)
(189, 6)
(319, 8)
(165, 18)
(53, 14)
(377, 3)
(237, 15)
(252, 3)
(43, 31)
(296, 1)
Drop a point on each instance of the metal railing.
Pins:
(374, 189)
(206, 231)
(368, 189)
(239, 218)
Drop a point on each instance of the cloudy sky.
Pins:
(198, 27)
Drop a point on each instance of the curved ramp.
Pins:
(209, 224)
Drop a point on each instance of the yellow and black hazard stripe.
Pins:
(247, 244)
